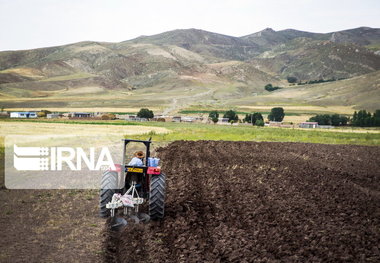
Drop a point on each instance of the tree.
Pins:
(269, 87)
(247, 118)
(376, 118)
(145, 113)
(322, 119)
(231, 115)
(259, 123)
(276, 114)
(291, 79)
(344, 120)
(363, 118)
(252, 118)
(354, 119)
(214, 115)
(334, 119)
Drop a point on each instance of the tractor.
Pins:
(128, 187)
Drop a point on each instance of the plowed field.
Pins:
(261, 202)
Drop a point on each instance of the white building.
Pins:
(312, 125)
(187, 119)
(176, 119)
(26, 114)
(223, 121)
(52, 115)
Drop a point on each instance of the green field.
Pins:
(192, 131)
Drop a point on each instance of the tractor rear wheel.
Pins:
(157, 196)
(108, 188)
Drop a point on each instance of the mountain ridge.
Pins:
(191, 60)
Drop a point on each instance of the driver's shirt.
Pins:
(135, 162)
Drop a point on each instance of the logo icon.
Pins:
(32, 159)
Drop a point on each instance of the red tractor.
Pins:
(128, 187)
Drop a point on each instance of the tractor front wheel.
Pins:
(108, 188)
(157, 196)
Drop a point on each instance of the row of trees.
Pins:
(270, 87)
(276, 114)
(230, 115)
(363, 118)
(255, 118)
(293, 80)
(326, 119)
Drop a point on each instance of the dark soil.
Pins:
(50, 226)
(261, 202)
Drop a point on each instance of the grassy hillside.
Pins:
(178, 69)
(308, 59)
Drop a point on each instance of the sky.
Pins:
(27, 24)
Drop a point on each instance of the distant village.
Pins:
(159, 118)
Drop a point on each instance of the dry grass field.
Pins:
(29, 128)
(85, 109)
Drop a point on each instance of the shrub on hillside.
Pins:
(291, 79)
(270, 87)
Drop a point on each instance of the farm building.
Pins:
(98, 114)
(135, 118)
(4, 114)
(52, 116)
(222, 121)
(130, 117)
(82, 115)
(26, 114)
(176, 119)
(121, 116)
(187, 119)
(162, 118)
(308, 125)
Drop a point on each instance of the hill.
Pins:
(181, 68)
(363, 36)
(360, 92)
(308, 59)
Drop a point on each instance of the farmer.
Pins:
(137, 160)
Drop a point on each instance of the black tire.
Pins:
(157, 197)
(108, 188)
